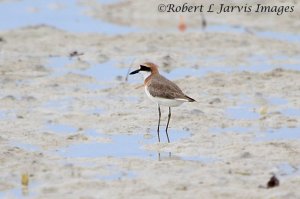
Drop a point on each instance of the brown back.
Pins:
(159, 86)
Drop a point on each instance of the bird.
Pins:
(161, 91)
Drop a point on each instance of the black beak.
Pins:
(134, 72)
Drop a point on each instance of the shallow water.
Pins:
(107, 71)
(8, 114)
(106, 74)
(203, 159)
(263, 135)
(117, 145)
(285, 169)
(255, 64)
(95, 111)
(62, 104)
(277, 101)
(58, 66)
(251, 111)
(233, 129)
(121, 145)
(69, 16)
(20, 192)
(24, 146)
(292, 112)
(61, 128)
(66, 15)
(279, 36)
(288, 37)
(116, 175)
(280, 134)
(2, 114)
(250, 108)
(242, 112)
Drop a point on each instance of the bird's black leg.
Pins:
(159, 115)
(169, 117)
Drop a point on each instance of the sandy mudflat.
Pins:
(59, 115)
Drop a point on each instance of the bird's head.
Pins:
(146, 69)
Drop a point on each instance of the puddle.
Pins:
(198, 159)
(161, 156)
(225, 28)
(58, 62)
(234, 129)
(96, 86)
(288, 37)
(280, 134)
(61, 128)
(120, 145)
(277, 101)
(132, 99)
(108, 1)
(242, 112)
(106, 74)
(95, 111)
(11, 114)
(125, 146)
(255, 66)
(291, 112)
(24, 146)
(57, 65)
(261, 63)
(20, 192)
(279, 36)
(200, 72)
(113, 172)
(250, 111)
(2, 114)
(116, 175)
(66, 15)
(106, 71)
(261, 134)
(268, 102)
(61, 104)
(285, 169)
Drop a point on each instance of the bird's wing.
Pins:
(161, 87)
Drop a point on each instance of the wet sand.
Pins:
(79, 130)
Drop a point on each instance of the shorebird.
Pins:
(161, 90)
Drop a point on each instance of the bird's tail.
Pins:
(190, 99)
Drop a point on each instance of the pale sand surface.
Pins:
(35, 94)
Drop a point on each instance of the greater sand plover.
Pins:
(161, 90)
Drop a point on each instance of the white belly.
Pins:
(163, 101)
